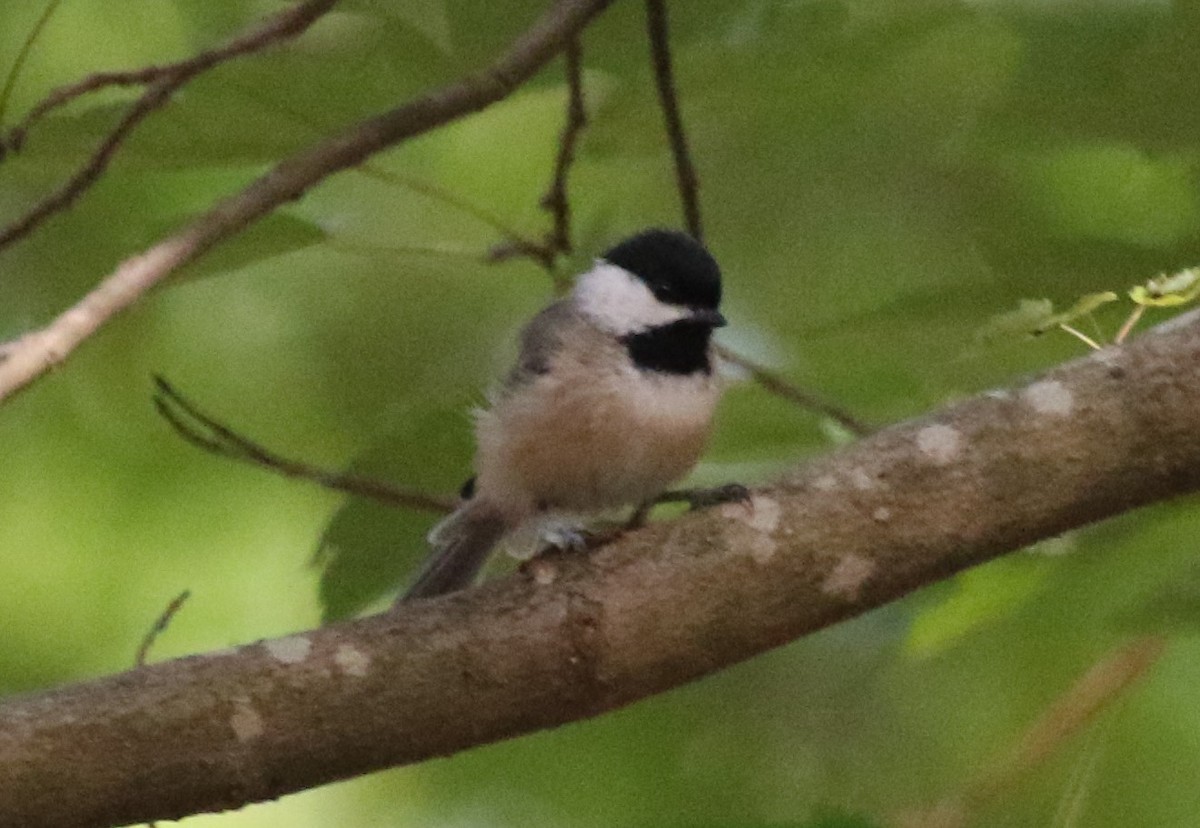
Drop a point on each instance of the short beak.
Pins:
(709, 317)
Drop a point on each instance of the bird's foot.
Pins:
(564, 538)
(706, 498)
(559, 541)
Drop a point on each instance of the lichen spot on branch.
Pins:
(848, 577)
(755, 524)
(291, 650)
(246, 723)
(861, 479)
(352, 661)
(940, 443)
(825, 483)
(1049, 397)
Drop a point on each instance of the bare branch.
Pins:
(160, 626)
(581, 635)
(685, 171)
(777, 385)
(283, 25)
(39, 351)
(64, 196)
(555, 200)
(558, 240)
(203, 431)
(163, 82)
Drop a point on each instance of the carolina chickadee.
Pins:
(611, 400)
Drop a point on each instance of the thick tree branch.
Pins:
(579, 635)
(34, 354)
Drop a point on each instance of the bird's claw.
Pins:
(565, 539)
(706, 498)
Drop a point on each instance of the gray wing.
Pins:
(541, 339)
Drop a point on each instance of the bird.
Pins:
(610, 401)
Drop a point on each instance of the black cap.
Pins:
(676, 268)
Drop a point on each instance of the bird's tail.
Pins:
(459, 546)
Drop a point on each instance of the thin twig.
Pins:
(777, 385)
(39, 351)
(555, 200)
(1127, 327)
(558, 240)
(1101, 685)
(152, 635)
(1081, 336)
(280, 26)
(203, 431)
(86, 175)
(685, 172)
(159, 627)
(161, 83)
(14, 72)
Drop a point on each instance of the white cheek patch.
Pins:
(619, 302)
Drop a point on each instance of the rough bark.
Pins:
(575, 636)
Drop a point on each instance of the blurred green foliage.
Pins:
(878, 179)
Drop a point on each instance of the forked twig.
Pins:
(203, 431)
(39, 351)
(161, 82)
(557, 240)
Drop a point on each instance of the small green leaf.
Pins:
(1036, 316)
(1082, 307)
(1031, 316)
(1168, 291)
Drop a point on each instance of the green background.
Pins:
(879, 180)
